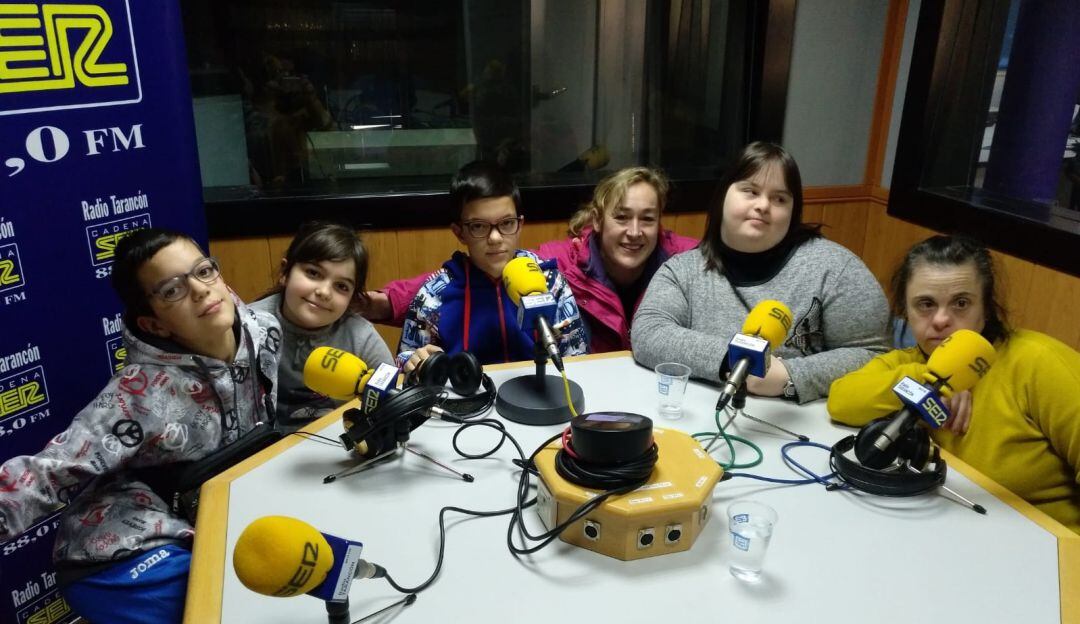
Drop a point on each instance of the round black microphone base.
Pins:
(530, 400)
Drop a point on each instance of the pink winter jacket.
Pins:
(609, 325)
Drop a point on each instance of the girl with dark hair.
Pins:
(320, 286)
(1020, 425)
(756, 247)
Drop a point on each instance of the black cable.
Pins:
(605, 476)
(314, 437)
(504, 435)
(522, 502)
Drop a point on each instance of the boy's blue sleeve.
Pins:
(573, 339)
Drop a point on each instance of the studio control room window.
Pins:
(356, 98)
(989, 141)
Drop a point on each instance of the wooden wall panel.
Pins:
(1036, 297)
(887, 239)
(845, 223)
(532, 234)
(383, 266)
(1051, 305)
(245, 264)
(1014, 286)
(424, 250)
(690, 224)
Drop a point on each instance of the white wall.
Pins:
(901, 89)
(835, 58)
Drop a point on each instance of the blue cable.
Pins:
(794, 465)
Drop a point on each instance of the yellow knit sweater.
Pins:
(1025, 420)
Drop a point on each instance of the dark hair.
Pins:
(316, 241)
(755, 157)
(131, 253)
(944, 250)
(482, 179)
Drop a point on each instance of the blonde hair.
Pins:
(611, 191)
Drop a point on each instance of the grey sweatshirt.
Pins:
(297, 405)
(164, 408)
(689, 315)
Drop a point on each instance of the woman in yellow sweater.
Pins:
(1020, 425)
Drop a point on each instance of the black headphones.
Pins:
(466, 376)
(377, 432)
(914, 449)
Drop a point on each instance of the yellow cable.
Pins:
(569, 401)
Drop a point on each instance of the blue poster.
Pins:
(96, 141)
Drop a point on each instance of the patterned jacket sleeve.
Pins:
(421, 326)
(573, 339)
(104, 436)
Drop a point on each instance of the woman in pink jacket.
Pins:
(615, 245)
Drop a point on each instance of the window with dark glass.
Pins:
(991, 126)
(331, 99)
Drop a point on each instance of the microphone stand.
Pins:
(538, 399)
(738, 408)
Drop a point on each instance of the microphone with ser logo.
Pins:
(282, 557)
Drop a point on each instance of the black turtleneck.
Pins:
(751, 269)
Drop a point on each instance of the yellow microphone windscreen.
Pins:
(770, 320)
(335, 373)
(281, 556)
(961, 359)
(523, 276)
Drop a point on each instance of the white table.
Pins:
(835, 556)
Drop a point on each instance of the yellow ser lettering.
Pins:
(61, 66)
(107, 244)
(8, 275)
(20, 397)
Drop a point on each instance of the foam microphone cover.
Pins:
(282, 556)
(770, 320)
(335, 373)
(523, 276)
(961, 360)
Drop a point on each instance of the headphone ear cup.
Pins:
(465, 373)
(916, 447)
(868, 454)
(434, 371)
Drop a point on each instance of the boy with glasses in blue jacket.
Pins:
(463, 306)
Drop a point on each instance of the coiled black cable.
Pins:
(605, 476)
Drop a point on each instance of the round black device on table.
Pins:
(611, 437)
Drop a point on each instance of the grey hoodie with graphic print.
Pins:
(163, 408)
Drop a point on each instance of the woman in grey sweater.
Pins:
(755, 248)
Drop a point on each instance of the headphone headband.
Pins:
(898, 481)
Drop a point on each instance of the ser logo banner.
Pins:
(57, 56)
(10, 267)
(22, 392)
(12, 279)
(117, 354)
(103, 237)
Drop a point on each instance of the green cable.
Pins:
(728, 439)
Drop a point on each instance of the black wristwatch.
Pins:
(789, 391)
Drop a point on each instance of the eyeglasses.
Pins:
(176, 287)
(482, 229)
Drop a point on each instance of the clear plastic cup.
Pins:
(750, 525)
(671, 378)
